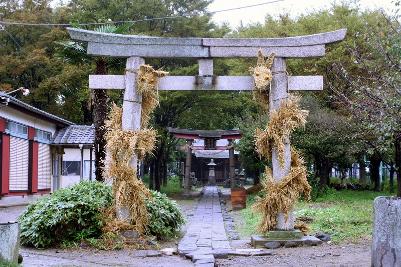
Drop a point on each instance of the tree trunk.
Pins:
(318, 166)
(100, 104)
(325, 172)
(362, 172)
(157, 175)
(391, 179)
(375, 160)
(322, 170)
(152, 175)
(256, 179)
(397, 144)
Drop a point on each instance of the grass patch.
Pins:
(172, 187)
(4, 263)
(346, 215)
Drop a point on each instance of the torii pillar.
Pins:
(188, 166)
(278, 93)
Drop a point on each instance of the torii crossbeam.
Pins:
(135, 48)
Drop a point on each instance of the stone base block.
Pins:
(386, 241)
(262, 241)
(9, 241)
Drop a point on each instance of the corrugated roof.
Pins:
(23, 105)
(75, 134)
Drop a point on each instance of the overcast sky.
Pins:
(292, 7)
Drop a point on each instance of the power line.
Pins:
(19, 23)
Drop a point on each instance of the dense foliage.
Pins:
(165, 216)
(73, 214)
(69, 214)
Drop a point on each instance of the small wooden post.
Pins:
(278, 93)
(81, 173)
(90, 163)
(188, 161)
(232, 164)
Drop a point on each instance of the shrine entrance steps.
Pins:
(206, 237)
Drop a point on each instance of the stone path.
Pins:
(206, 234)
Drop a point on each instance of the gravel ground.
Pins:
(324, 255)
(90, 257)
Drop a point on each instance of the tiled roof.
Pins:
(12, 101)
(205, 133)
(213, 154)
(75, 134)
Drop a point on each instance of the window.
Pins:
(87, 169)
(71, 168)
(16, 129)
(43, 136)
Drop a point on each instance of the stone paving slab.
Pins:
(206, 238)
(205, 231)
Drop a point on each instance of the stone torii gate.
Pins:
(137, 48)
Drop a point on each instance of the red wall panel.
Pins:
(5, 164)
(35, 156)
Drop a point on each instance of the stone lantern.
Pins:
(212, 176)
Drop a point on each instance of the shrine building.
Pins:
(206, 148)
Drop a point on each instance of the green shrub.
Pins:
(73, 214)
(68, 215)
(172, 187)
(165, 216)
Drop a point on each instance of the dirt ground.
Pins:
(324, 255)
(91, 257)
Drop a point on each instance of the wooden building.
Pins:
(41, 152)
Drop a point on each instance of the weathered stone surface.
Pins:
(293, 244)
(311, 241)
(304, 40)
(222, 83)
(284, 235)
(320, 38)
(386, 242)
(131, 234)
(222, 253)
(117, 45)
(9, 241)
(153, 253)
(205, 231)
(282, 51)
(251, 252)
(204, 257)
(169, 251)
(272, 244)
(324, 237)
(260, 241)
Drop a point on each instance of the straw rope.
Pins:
(129, 192)
(279, 197)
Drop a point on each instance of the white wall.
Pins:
(20, 117)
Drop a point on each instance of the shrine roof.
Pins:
(199, 134)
